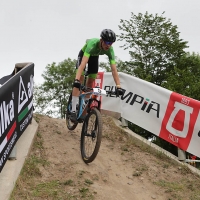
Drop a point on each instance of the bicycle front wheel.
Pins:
(91, 136)
(70, 125)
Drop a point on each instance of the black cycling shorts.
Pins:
(93, 64)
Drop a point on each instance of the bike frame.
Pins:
(93, 97)
(93, 102)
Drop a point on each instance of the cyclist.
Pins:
(89, 54)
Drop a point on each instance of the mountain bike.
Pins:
(88, 113)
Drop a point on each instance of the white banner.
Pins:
(167, 114)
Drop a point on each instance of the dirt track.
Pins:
(124, 168)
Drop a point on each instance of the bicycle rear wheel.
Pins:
(70, 125)
(91, 136)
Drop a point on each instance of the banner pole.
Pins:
(13, 154)
(124, 122)
(181, 155)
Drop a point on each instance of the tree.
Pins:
(155, 49)
(155, 46)
(185, 78)
(121, 66)
(55, 90)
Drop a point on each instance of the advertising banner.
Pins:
(16, 109)
(167, 114)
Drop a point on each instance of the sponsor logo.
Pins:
(179, 120)
(6, 115)
(144, 103)
(99, 80)
(23, 97)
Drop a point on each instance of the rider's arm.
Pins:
(111, 56)
(115, 75)
(81, 67)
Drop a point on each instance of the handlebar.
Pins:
(85, 88)
(108, 92)
(111, 92)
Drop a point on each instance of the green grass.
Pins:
(88, 182)
(47, 189)
(69, 182)
(173, 186)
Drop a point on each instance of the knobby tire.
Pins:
(91, 135)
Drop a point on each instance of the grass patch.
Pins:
(170, 186)
(88, 182)
(69, 182)
(86, 194)
(80, 173)
(47, 189)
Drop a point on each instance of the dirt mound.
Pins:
(125, 168)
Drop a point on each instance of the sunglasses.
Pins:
(108, 43)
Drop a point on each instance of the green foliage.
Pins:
(105, 66)
(55, 90)
(165, 145)
(155, 46)
(185, 78)
(157, 53)
(156, 140)
(121, 66)
(142, 132)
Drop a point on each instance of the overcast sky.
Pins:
(46, 31)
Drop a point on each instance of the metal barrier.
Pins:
(181, 153)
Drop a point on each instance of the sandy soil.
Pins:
(124, 168)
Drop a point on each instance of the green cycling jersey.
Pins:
(92, 48)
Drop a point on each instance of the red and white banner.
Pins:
(167, 114)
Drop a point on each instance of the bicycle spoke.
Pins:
(90, 140)
(91, 136)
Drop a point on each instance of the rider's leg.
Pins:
(92, 71)
(93, 66)
(90, 81)
(75, 95)
(76, 91)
